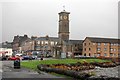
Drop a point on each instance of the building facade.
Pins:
(27, 46)
(17, 41)
(72, 48)
(100, 47)
(46, 45)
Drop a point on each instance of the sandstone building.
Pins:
(100, 47)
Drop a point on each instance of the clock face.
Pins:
(65, 17)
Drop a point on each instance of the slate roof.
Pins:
(102, 40)
(20, 39)
(47, 38)
(73, 41)
(23, 42)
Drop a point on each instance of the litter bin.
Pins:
(17, 64)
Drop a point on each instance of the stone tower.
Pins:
(63, 25)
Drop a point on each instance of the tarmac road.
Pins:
(9, 72)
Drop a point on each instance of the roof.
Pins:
(73, 41)
(19, 39)
(102, 40)
(64, 12)
(27, 40)
(47, 38)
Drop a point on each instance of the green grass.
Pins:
(33, 64)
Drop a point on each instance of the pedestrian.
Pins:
(41, 57)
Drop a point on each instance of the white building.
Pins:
(5, 51)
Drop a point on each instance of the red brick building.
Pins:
(100, 47)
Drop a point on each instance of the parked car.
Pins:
(28, 58)
(4, 58)
(13, 58)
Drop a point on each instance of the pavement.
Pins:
(8, 71)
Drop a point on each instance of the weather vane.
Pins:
(64, 8)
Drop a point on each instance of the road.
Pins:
(8, 71)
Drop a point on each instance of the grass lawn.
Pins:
(33, 64)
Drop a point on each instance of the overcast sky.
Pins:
(96, 18)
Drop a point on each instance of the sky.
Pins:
(88, 18)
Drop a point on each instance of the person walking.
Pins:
(41, 57)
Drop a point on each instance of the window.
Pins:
(95, 54)
(46, 42)
(42, 42)
(55, 42)
(85, 54)
(98, 54)
(114, 49)
(89, 49)
(93, 43)
(111, 44)
(89, 54)
(105, 44)
(105, 49)
(98, 49)
(85, 44)
(46, 46)
(111, 54)
(89, 43)
(116, 44)
(105, 54)
(75, 45)
(99, 44)
(115, 55)
(111, 49)
(52, 43)
(85, 49)
(38, 42)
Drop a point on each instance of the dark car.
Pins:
(4, 58)
(28, 58)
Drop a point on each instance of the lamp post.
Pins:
(46, 50)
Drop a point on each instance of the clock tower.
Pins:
(63, 25)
